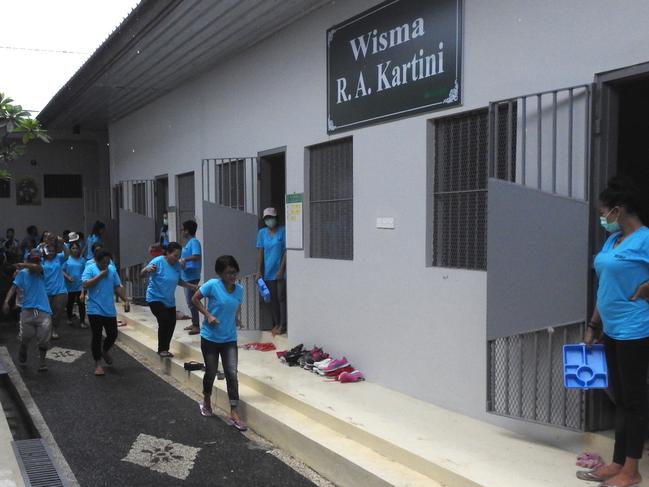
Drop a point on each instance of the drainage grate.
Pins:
(36, 464)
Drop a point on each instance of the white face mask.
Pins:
(609, 227)
(271, 222)
(165, 222)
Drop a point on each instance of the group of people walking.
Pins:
(56, 273)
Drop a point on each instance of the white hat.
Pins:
(73, 237)
(269, 212)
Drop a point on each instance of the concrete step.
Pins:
(330, 453)
(434, 444)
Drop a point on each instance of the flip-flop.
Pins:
(205, 411)
(589, 476)
(240, 425)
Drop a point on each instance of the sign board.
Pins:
(397, 59)
(294, 217)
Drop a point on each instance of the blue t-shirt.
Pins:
(274, 247)
(223, 305)
(54, 279)
(192, 269)
(163, 282)
(32, 285)
(101, 300)
(74, 268)
(92, 240)
(620, 271)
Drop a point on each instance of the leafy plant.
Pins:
(17, 129)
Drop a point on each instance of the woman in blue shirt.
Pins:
(164, 275)
(55, 254)
(190, 261)
(95, 237)
(72, 270)
(219, 333)
(102, 283)
(271, 265)
(622, 314)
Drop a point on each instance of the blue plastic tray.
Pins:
(584, 368)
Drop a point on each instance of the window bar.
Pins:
(554, 142)
(523, 140)
(570, 123)
(221, 182)
(587, 144)
(507, 375)
(520, 375)
(510, 123)
(551, 371)
(494, 134)
(230, 164)
(536, 374)
(563, 389)
(237, 182)
(539, 141)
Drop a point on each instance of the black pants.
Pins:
(229, 357)
(166, 324)
(627, 362)
(97, 324)
(73, 297)
(277, 303)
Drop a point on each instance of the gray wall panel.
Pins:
(228, 231)
(537, 260)
(136, 233)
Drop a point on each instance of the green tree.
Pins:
(17, 129)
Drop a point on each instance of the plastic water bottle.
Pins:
(263, 290)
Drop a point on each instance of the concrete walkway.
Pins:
(131, 428)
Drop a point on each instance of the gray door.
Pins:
(537, 251)
(186, 209)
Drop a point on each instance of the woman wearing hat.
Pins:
(271, 265)
(73, 269)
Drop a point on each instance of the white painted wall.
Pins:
(64, 155)
(416, 329)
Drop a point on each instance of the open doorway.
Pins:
(185, 201)
(271, 193)
(161, 200)
(272, 181)
(633, 143)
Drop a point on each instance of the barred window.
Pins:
(5, 188)
(331, 200)
(230, 183)
(62, 186)
(460, 188)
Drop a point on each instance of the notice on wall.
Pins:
(294, 217)
(397, 59)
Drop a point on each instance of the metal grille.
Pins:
(250, 307)
(134, 284)
(331, 201)
(460, 187)
(526, 378)
(137, 196)
(553, 132)
(230, 182)
(36, 464)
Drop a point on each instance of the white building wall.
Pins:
(414, 328)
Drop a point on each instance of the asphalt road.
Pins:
(131, 428)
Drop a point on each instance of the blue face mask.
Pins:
(271, 222)
(609, 227)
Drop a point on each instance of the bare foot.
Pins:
(623, 479)
(608, 471)
(275, 331)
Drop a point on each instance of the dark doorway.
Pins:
(272, 192)
(633, 143)
(161, 199)
(185, 202)
(272, 183)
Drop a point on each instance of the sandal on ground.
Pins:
(107, 358)
(42, 367)
(590, 476)
(99, 371)
(166, 354)
(205, 410)
(188, 327)
(238, 424)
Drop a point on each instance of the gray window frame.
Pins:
(308, 204)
